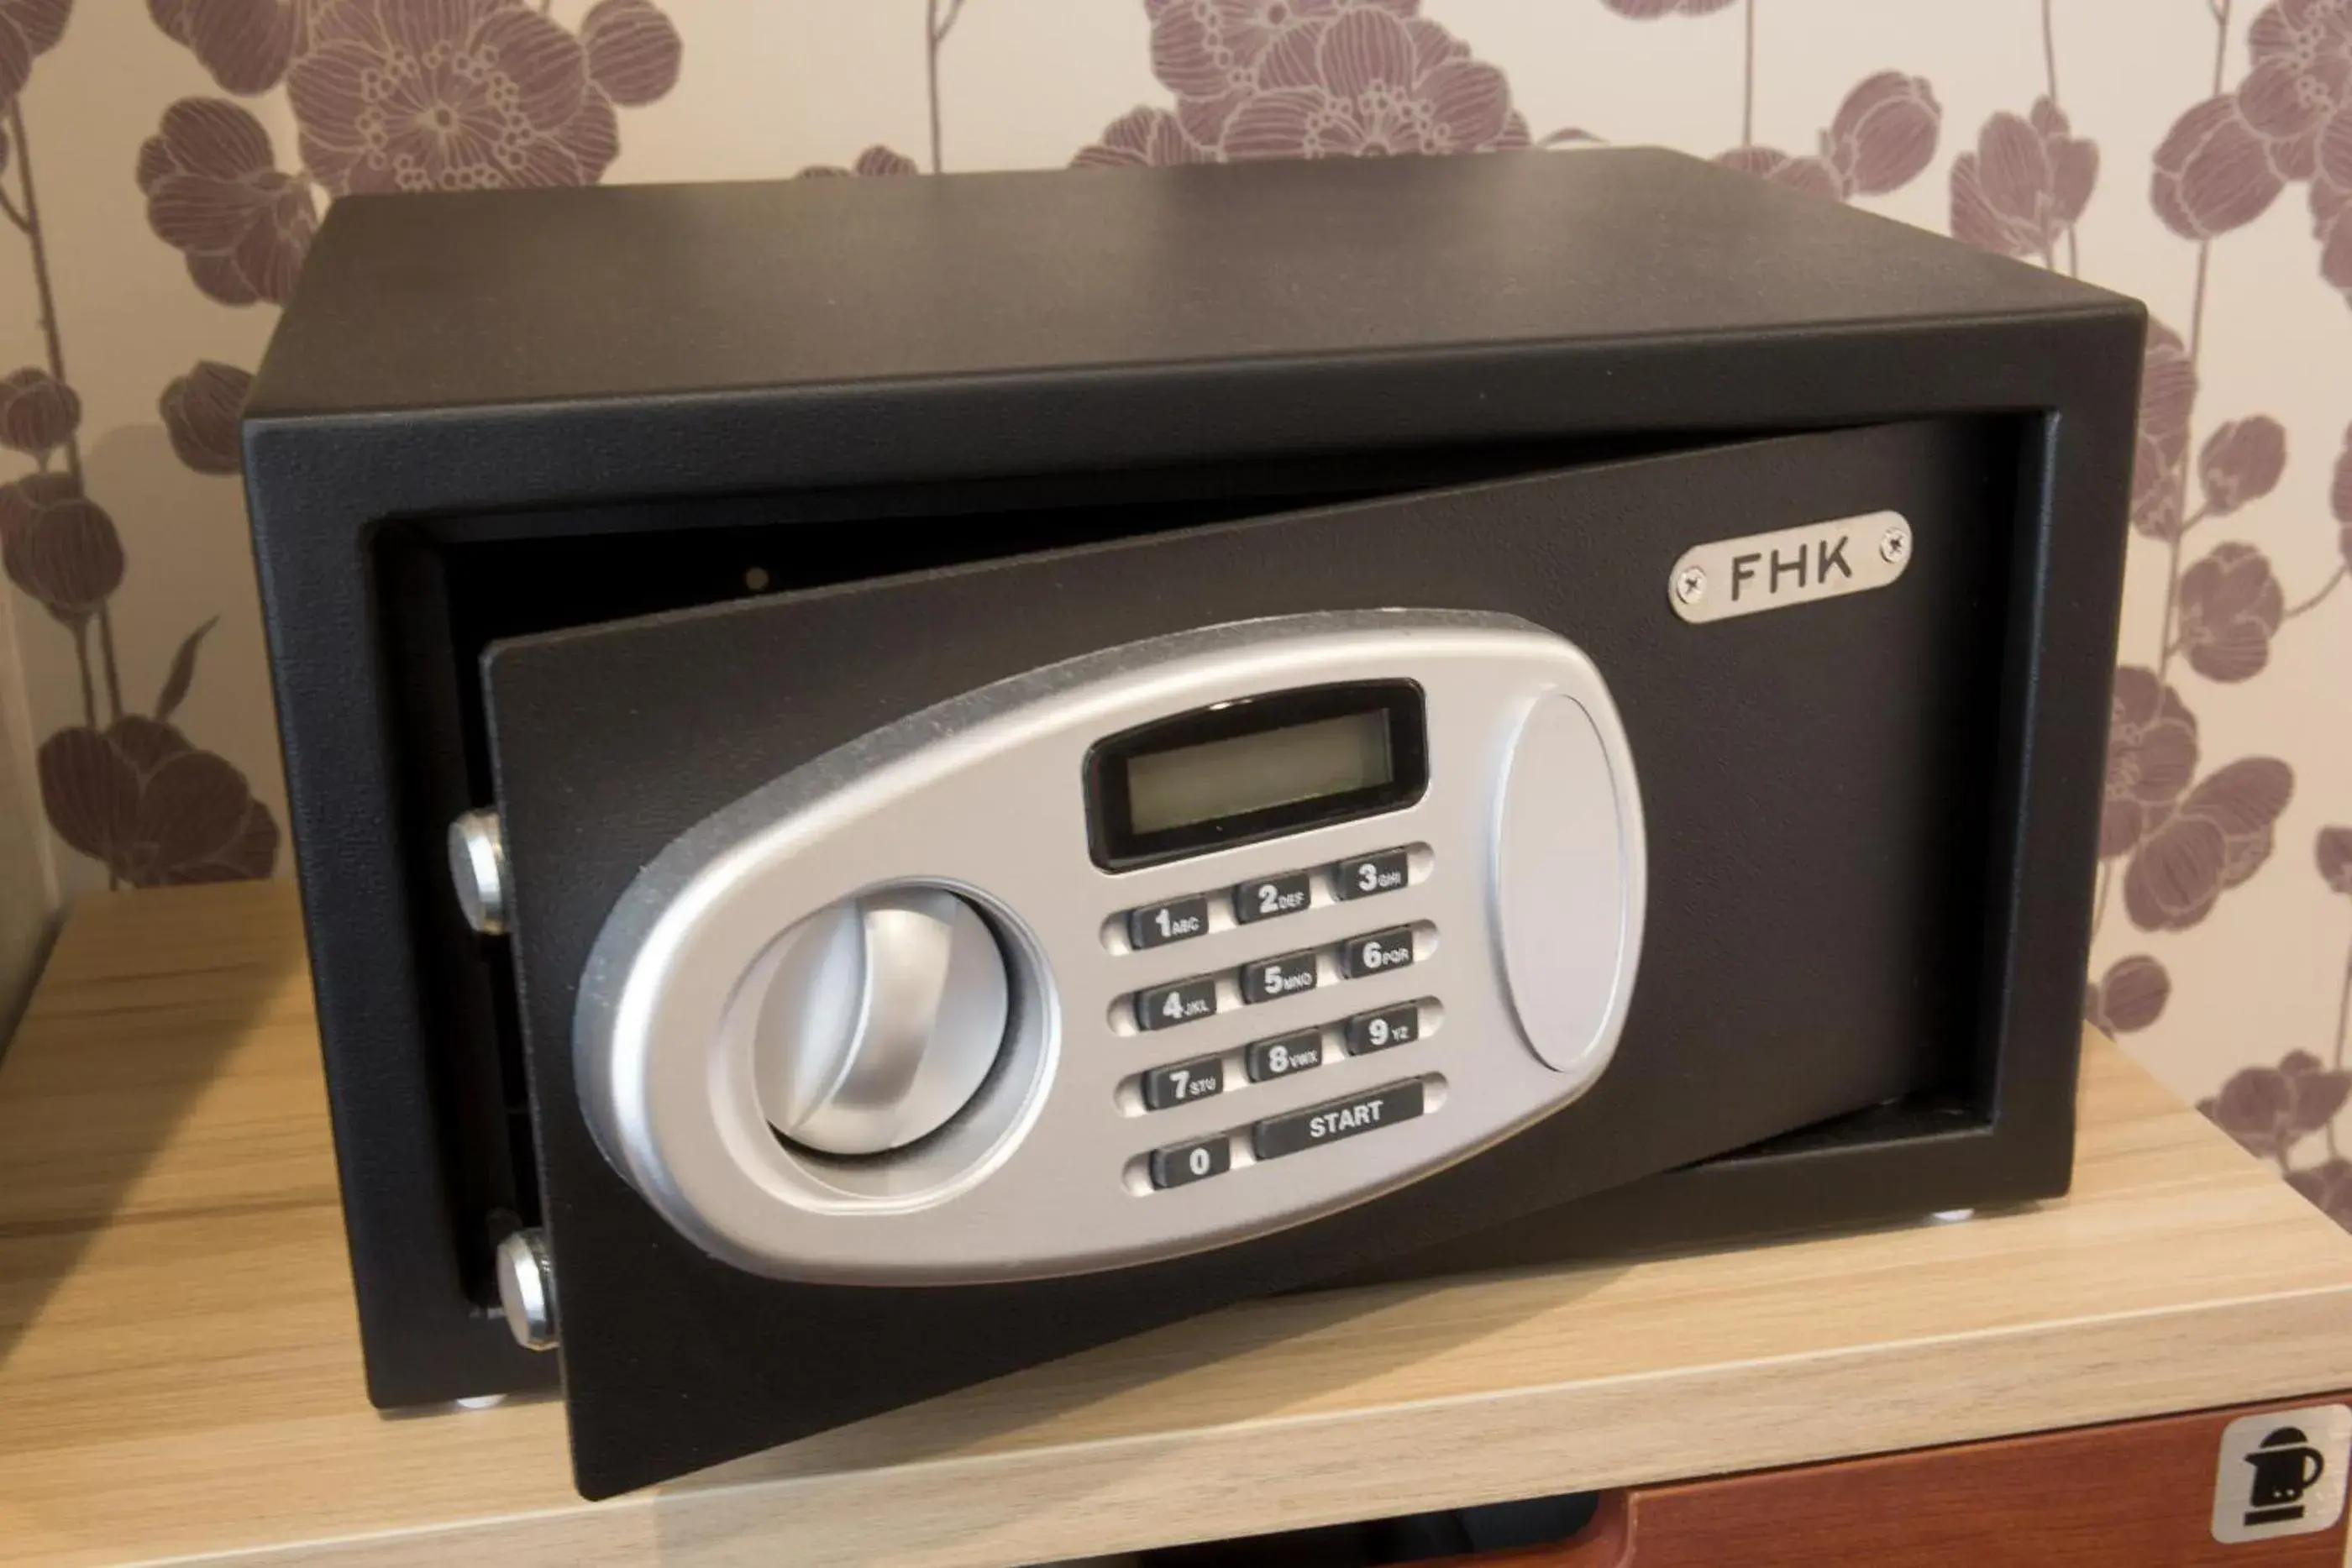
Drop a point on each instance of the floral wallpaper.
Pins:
(164, 166)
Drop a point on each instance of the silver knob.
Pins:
(527, 1290)
(882, 1018)
(478, 865)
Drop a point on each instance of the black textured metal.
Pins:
(501, 416)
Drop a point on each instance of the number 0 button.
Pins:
(1188, 1163)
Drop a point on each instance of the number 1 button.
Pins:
(1157, 924)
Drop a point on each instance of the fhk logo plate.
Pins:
(1794, 566)
(2280, 1472)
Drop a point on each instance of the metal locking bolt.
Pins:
(527, 1289)
(478, 865)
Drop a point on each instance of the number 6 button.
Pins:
(1377, 953)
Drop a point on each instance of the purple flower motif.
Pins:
(199, 413)
(2231, 608)
(2219, 836)
(2168, 396)
(632, 50)
(2241, 462)
(2340, 498)
(2300, 55)
(1812, 175)
(1309, 78)
(156, 811)
(38, 412)
(457, 95)
(1208, 52)
(2331, 225)
(2129, 997)
(875, 159)
(2327, 1185)
(1367, 85)
(28, 29)
(1643, 10)
(247, 45)
(1142, 137)
(2151, 756)
(214, 191)
(2213, 171)
(1885, 133)
(2024, 186)
(59, 546)
(2269, 1109)
(2333, 853)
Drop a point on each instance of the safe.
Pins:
(896, 778)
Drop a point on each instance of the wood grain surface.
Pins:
(2131, 1494)
(179, 1373)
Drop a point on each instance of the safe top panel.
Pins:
(440, 300)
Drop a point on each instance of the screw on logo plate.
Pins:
(1893, 545)
(1690, 585)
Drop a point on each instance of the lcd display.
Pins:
(1279, 762)
(1255, 772)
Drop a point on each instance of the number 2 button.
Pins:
(1263, 900)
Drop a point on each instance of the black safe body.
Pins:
(609, 505)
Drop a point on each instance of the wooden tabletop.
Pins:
(179, 1372)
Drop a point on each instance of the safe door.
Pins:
(927, 976)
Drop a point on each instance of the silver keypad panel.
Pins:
(1197, 1051)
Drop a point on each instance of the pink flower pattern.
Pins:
(1309, 78)
(214, 191)
(459, 95)
(2231, 607)
(1882, 137)
(2024, 183)
(2228, 159)
(2151, 758)
(1646, 9)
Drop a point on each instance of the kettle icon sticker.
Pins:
(2285, 1466)
(2282, 1473)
